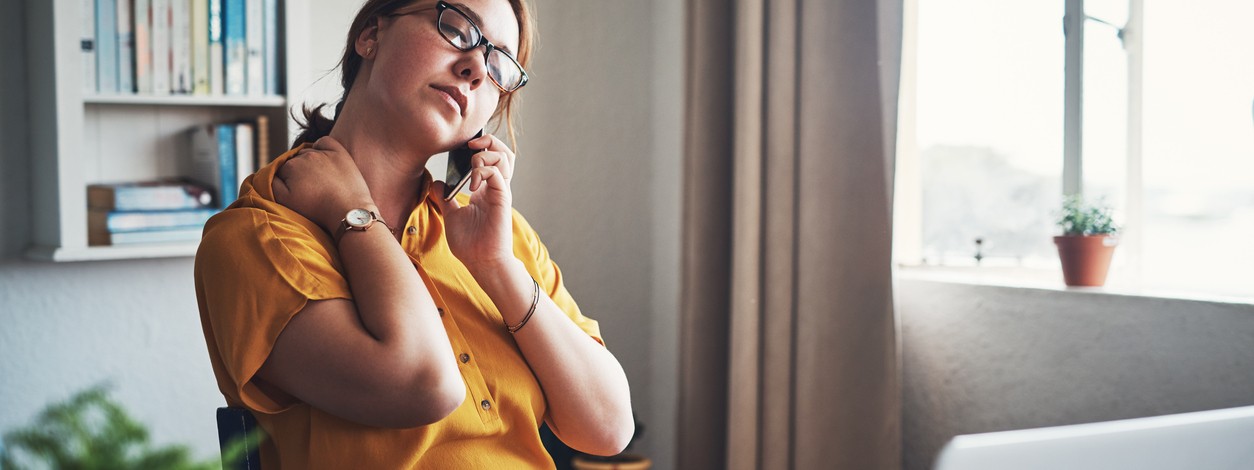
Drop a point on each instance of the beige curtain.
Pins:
(789, 344)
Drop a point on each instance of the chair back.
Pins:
(238, 437)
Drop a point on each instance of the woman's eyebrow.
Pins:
(479, 22)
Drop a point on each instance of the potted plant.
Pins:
(91, 431)
(1087, 241)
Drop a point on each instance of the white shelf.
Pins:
(102, 253)
(79, 137)
(189, 100)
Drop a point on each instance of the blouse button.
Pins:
(465, 358)
(486, 405)
(411, 230)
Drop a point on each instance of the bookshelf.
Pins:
(78, 138)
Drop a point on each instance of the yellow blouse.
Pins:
(259, 263)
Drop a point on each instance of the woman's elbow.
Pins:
(618, 442)
(611, 439)
(428, 400)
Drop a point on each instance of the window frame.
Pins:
(908, 184)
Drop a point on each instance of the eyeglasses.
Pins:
(462, 33)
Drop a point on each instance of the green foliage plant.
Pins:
(90, 431)
(1080, 217)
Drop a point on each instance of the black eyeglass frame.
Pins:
(442, 7)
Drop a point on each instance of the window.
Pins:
(1167, 136)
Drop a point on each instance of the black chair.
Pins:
(238, 427)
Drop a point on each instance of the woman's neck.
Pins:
(392, 173)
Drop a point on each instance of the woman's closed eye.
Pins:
(457, 36)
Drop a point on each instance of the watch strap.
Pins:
(346, 227)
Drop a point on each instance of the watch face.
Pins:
(358, 217)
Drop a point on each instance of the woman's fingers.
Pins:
(495, 159)
(490, 143)
(486, 173)
(494, 153)
(280, 190)
(328, 143)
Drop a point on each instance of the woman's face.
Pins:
(429, 88)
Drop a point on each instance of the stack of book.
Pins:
(189, 47)
(175, 210)
(165, 211)
(223, 154)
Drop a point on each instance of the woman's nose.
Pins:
(472, 68)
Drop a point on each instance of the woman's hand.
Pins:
(480, 234)
(322, 183)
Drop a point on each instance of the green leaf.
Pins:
(1080, 217)
(90, 431)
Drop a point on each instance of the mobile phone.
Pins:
(459, 168)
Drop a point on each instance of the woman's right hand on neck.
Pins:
(322, 183)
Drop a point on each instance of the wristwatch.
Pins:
(358, 220)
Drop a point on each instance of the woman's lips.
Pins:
(453, 96)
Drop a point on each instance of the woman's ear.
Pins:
(367, 42)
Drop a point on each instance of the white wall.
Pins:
(986, 358)
(64, 327)
(598, 176)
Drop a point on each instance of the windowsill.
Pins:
(1048, 280)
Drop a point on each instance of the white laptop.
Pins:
(1210, 440)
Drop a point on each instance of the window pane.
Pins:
(989, 120)
(1105, 149)
(1199, 146)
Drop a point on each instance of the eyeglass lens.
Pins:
(464, 35)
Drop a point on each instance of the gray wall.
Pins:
(597, 176)
(986, 358)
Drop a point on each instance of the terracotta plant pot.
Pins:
(617, 462)
(1085, 258)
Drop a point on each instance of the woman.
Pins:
(369, 323)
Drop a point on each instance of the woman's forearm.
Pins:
(382, 359)
(585, 386)
(392, 301)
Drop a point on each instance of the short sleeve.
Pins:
(533, 253)
(254, 271)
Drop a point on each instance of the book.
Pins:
(272, 46)
(175, 235)
(126, 47)
(87, 44)
(227, 162)
(106, 46)
(255, 43)
(236, 49)
(143, 46)
(180, 47)
(140, 221)
(216, 50)
(212, 161)
(166, 194)
(160, 47)
(263, 141)
(245, 151)
(200, 47)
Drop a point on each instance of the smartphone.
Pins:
(458, 168)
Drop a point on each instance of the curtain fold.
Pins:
(706, 246)
(787, 297)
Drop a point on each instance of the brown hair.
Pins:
(316, 125)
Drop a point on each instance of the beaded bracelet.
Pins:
(535, 299)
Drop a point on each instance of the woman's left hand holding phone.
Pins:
(480, 233)
(301, 184)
